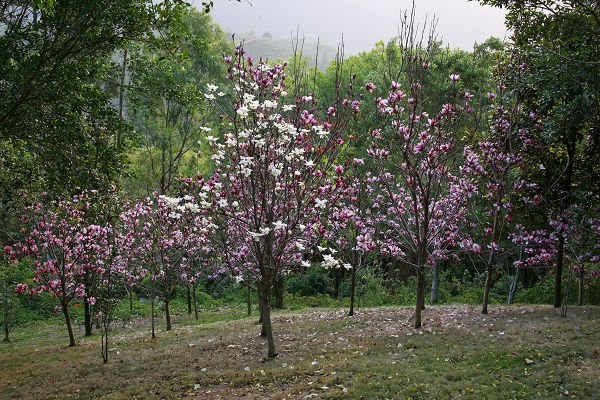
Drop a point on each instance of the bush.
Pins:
(315, 280)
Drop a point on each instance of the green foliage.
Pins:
(165, 102)
(313, 281)
(55, 63)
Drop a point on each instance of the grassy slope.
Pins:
(513, 353)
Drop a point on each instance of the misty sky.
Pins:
(461, 23)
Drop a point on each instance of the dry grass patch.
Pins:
(514, 352)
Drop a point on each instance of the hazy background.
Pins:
(461, 23)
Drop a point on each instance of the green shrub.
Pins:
(315, 280)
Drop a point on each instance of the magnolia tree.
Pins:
(153, 235)
(419, 201)
(111, 285)
(492, 170)
(197, 256)
(63, 249)
(273, 156)
(580, 228)
(349, 229)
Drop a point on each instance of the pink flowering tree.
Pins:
(536, 248)
(579, 226)
(273, 155)
(349, 228)
(63, 249)
(153, 232)
(419, 199)
(492, 171)
(112, 284)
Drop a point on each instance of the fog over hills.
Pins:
(461, 23)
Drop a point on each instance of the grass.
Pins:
(518, 352)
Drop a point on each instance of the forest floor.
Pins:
(515, 352)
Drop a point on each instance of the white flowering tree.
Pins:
(272, 157)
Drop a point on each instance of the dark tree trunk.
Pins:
(122, 95)
(352, 291)
(266, 325)
(249, 300)
(558, 272)
(571, 146)
(152, 312)
(580, 286)
(67, 314)
(104, 341)
(87, 317)
(486, 291)
(279, 288)
(130, 299)
(420, 296)
(260, 303)
(262, 319)
(435, 284)
(195, 300)
(189, 299)
(513, 286)
(168, 314)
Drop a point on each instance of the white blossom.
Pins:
(320, 203)
(278, 225)
(242, 111)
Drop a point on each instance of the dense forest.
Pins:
(151, 163)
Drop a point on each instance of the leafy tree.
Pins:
(561, 40)
(168, 77)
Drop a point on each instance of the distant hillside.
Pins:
(282, 49)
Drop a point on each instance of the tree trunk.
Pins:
(122, 95)
(580, 286)
(267, 320)
(486, 291)
(279, 289)
(260, 304)
(168, 314)
(152, 312)
(261, 320)
(420, 296)
(130, 299)
(87, 318)
(352, 290)
(558, 271)
(513, 286)
(65, 309)
(249, 300)
(189, 299)
(435, 284)
(104, 341)
(195, 300)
